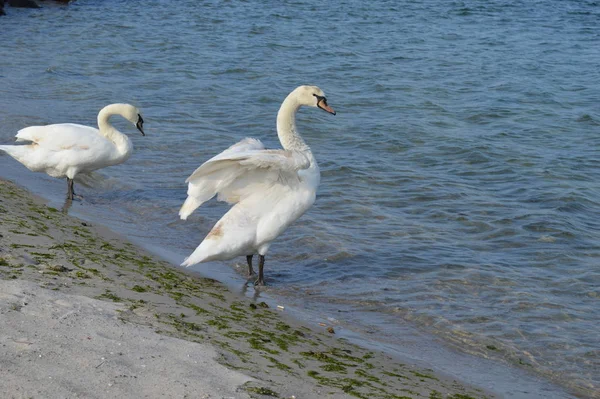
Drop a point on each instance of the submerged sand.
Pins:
(87, 314)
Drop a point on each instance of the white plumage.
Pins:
(67, 149)
(270, 188)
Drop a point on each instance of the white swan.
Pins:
(66, 149)
(270, 188)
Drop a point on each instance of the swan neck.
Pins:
(121, 141)
(286, 126)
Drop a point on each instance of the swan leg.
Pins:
(249, 260)
(70, 191)
(261, 264)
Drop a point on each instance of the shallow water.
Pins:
(459, 186)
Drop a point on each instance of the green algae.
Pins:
(334, 368)
(111, 296)
(139, 288)
(42, 255)
(282, 326)
(16, 246)
(259, 344)
(262, 391)
(236, 334)
(345, 354)
(216, 295)
(422, 375)
(278, 364)
(176, 295)
(347, 385)
(237, 307)
(17, 232)
(367, 376)
(389, 373)
(325, 357)
(227, 346)
(197, 309)
(299, 363)
(82, 274)
(184, 326)
(218, 323)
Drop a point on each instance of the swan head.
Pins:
(127, 111)
(312, 96)
(133, 115)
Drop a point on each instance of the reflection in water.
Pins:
(256, 291)
(67, 205)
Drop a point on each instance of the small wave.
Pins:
(587, 118)
(231, 71)
(342, 255)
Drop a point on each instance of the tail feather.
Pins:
(188, 207)
(187, 262)
(13, 150)
(197, 256)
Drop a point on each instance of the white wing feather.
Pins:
(62, 136)
(235, 173)
(247, 144)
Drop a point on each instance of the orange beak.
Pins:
(323, 105)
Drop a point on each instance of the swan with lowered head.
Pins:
(67, 149)
(270, 188)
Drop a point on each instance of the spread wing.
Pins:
(62, 136)
(240, 171)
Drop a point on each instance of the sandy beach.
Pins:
(87, 314)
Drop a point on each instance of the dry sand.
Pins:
(56, 345)
(84, 313)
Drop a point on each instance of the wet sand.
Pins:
(87, 314)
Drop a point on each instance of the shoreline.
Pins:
(283, 357)
(404, 343)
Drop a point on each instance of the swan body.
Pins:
(270, 189)
(67, 149)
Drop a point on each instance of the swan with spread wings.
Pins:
(270, 189)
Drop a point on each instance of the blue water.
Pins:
(459, 189)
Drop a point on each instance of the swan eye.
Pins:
(320, 98)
